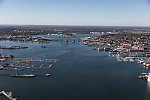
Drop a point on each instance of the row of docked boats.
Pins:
(129, 58)
(143, 62)
(25, 60)
(145, 76)
(132, 57)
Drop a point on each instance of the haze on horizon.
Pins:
(75, 12)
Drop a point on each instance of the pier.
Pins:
(8, 95)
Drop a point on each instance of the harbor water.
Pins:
(80, 73)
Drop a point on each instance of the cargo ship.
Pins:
(23, 75)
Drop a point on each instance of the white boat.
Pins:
(148, 78)
(47, 75)
(147, 65)
(144, 64)
(3, 59)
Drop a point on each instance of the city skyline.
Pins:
(75, 12)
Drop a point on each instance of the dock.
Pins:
(8, 95)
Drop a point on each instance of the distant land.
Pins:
(50, 29)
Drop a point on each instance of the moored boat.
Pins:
(145, 76)
(23, 75)
(47, 75)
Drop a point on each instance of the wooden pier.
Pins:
(8, 95)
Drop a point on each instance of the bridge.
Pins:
(54, 39)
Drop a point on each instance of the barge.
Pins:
(23, 75)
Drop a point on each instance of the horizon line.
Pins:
(75, 25)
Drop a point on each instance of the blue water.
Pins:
(81, 73)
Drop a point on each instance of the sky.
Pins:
(76, 12)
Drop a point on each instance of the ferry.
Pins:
(23, 75)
